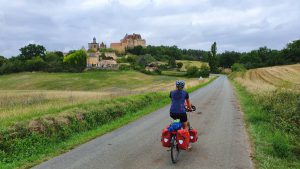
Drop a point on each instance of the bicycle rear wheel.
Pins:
(175, 151)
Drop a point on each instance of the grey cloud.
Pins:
(70, 24)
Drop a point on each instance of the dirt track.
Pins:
(222, 139)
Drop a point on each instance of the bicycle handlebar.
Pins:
(193, 108)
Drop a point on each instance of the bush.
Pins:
(35, 64)
(204, 71)
(237, 67)
(179, 65)
(192, 71)
(76, 61)
(144, 60)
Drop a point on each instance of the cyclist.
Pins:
(178, 97)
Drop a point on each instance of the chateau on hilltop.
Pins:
(101, 57)
(129, 41)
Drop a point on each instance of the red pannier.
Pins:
(165, 138)
(183, 139)
(193, 135)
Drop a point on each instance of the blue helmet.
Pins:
(180, 84)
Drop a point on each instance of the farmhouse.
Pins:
(129, 41)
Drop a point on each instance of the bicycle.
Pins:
(175, 150)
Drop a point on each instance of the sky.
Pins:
(240, 25)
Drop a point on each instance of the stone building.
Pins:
(129, 41)
(99, 57)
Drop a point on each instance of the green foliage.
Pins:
(292, 52)
(192, 71)
(24, 143)
(227, 59)
(172, 62)
(179, 65)
(163, 53)
(54, 61)
(204, 71)
(237, 67)
(284, 108)
(262, 57)
(32, 50)
(212, 59)
(144, 60)
(35, 64)
(280, 145)
(273, 122)
(76, 61)
(2, 60)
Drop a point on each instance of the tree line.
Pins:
(261, 57)
(35, 58)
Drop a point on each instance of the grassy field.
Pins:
(271, 78)
(40, 135)
(188, 63)
(270, 99)
(29, 95)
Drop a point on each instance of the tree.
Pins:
(76, 61)
(32, 50)
(35, 64)
(172, 62)
(227, 59)
(54, 61)
(292, 51)
(144, 60)
(2, 60)
(212, 58)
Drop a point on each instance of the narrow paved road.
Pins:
(222, 139)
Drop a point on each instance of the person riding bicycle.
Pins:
(179, 97)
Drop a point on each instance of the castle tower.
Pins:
(94, 46)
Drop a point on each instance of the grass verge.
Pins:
(275, 145)
(29, 143)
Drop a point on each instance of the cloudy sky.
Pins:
(70, 24)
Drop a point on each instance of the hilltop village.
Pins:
(101, 57)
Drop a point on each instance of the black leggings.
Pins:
(181, 116)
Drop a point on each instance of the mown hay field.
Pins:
(29, 95)
(270, 78)
(189, 63)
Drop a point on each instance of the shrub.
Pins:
(237, 67)
(76, 61)
(204, 71)
(179, 65)
(192, 71)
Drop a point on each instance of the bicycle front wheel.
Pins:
(175, 151)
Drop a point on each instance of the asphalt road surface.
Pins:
(222, 139)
